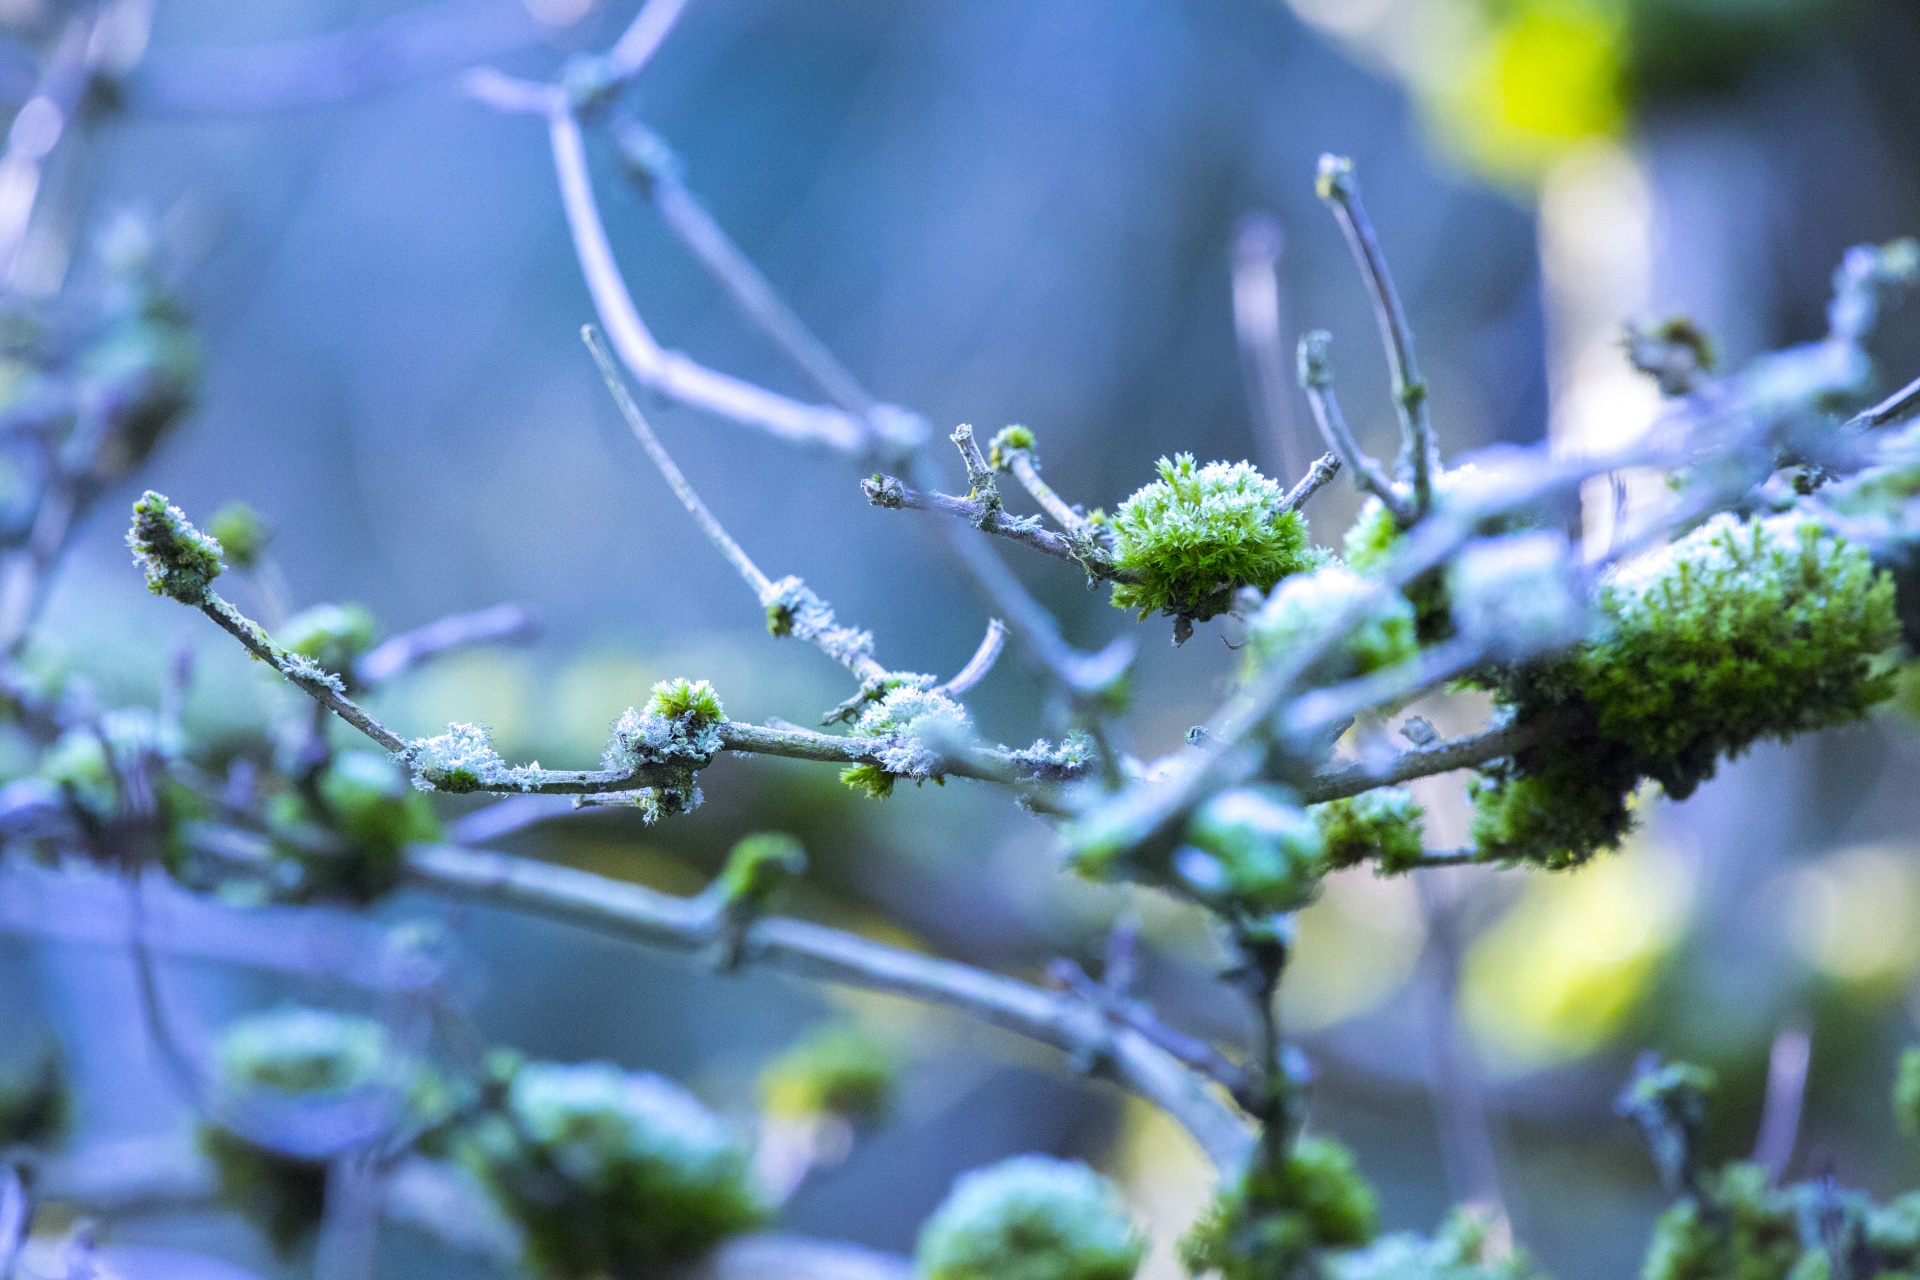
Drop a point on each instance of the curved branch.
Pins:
(895, 495)
(830, 955)
(1424, 762)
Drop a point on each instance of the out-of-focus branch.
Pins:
(503, 622)
(361, 60)
(1316, 379)
(1257, 324)
(829, 955)
(1340, 188)
(668, 372)
(1786, 1095)
(980, 663)
(893, 494)
(1122, 1011)
(1901, 404)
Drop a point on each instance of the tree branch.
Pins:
(1340, 188)
(503, 622)
(1324, 469)
(1423, 762)
(893, 494)
(1257, 315)
(980, 663)
(829, 955)
(1316, 379)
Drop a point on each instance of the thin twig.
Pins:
(643, 37)
(829, 955)
(886, 491)
(1340, 188)
(1257, 324)
(1195, 1054)
(676, 479)
(1316, 379)
(1027, 471)
(1900, 404)
(1324, 469)
(980, 663)
(1786, 1095)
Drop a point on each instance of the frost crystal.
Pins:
(461, 759)
(1515, 594)
(1033, 1217)
(921, 727)
(793, 610)
(302, 669)
(178, 559)
(1061, 763)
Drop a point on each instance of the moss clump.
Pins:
(759, 865)
(242, 532)
(1462, 1249)
(686, 700)
(35, 1108)
(918, 728)
(1387, 825)
(1742, 630)
(835, 1071)
(179, 560)
(1253, 849)
(350, 843)
(276, 1059)
(1301, 608)
(1272, 1223)
(869, 780)
(1030, 1218)
(1009, 441)
(1198, 534)
(1744, 1230)
(333, 635)
(609, 1173)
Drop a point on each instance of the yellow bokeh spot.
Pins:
(1356, 945)
(1855, 916)
(1556, 977)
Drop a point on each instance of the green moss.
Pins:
(1906, 1093)
(869, 779)
(836, 1070)
(1744, 1231)
(35, 1107)
(758, 866)
(1302, 607)
(1387, 824)
(686, 700)
(1740, 631)
(281, 1195)
(1008, 441)
(352, 843)
(611, 1174)
(178, 559)
(1030, 1218)
(1262, 853)
(1198, 534)
(79, 765)
(242, 532)
(1272, 1224)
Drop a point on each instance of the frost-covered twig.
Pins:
(1027, 472)
(1340, 188)
(830, 955)
(1422, 762)
(1316, 379)
(503, 622)
(886, 491)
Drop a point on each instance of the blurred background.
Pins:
(1026, 211)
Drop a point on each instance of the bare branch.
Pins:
(1316, 379)
(643, 37)
(668, 372)
(1026, 469)
(657, 172)
(1323, 470)
(979, 475)
(1340, 188)
(980, 663)
(829, 955)
(1195, 1054)
(1786, 1096)
(1257, 324)
(503, 622)
(1901, 404)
